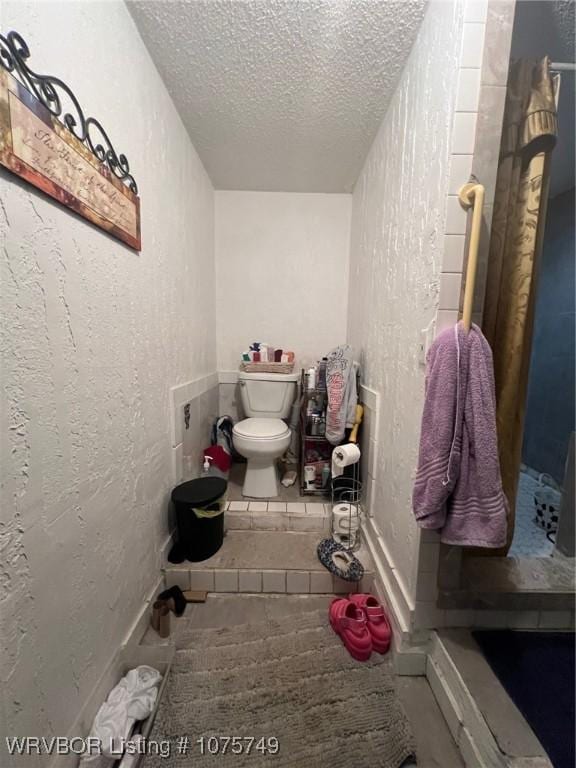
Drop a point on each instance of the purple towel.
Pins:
(458, 487)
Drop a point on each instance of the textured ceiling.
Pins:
(281, 95)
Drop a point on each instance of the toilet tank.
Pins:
(267, 395)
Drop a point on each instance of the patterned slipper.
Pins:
(378, 624)
(349, 622)
(339, 561)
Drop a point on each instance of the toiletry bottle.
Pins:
(311, 378)
(322, 373)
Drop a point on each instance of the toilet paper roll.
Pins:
(344, 508)
(309, 472)
(346, 525)
(344, 456)
(345, 518)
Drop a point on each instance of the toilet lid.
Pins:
(261, 428)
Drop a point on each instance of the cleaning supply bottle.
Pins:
(206, 466)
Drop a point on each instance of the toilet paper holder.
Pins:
(346, 513)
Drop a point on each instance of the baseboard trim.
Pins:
(385, 569)
(136, 631)
(409, 648)
(109, 677)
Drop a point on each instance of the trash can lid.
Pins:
(200, 492)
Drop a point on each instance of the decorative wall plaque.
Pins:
(73, 161)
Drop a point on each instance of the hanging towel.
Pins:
(458, 488)
(342, 394)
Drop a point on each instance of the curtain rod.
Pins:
(559, 66)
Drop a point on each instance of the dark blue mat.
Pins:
(537, 670)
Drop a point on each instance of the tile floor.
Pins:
(529, 540)
(436, 748)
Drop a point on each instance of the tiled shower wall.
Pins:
(193, 408)
(475, 143)
(475, 150)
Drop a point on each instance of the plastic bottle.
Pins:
(322, 373)
(311, 375)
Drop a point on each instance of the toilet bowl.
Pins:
(263, 436)
(261, 442)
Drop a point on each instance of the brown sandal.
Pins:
(161, 618)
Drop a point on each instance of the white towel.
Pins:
(131, 700)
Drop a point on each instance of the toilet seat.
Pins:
(261, 429)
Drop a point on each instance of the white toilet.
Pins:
(263, 437)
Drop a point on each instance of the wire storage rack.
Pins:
(315, 450)
(346, 513)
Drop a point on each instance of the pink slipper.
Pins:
(349, 621)
(378, 624)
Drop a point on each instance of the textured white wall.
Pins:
(282, 272)
(93, 335)
(398, 225)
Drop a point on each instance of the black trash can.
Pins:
(199, 506)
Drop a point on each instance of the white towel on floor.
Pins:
(131, 700)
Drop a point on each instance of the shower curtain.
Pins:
(528, 137)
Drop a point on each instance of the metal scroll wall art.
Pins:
(46, 139)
